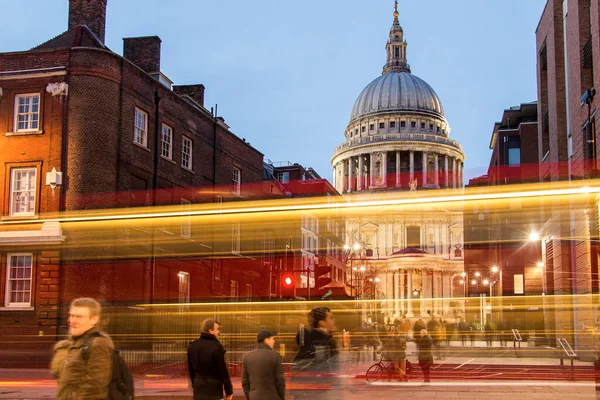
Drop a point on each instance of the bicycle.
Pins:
(382, 369)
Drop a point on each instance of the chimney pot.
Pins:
(91, 13)
(143, 52)
(196, 92)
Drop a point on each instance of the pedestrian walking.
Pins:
(82, 364)
(424, 344)
(262, 370)
(463, 332)
(206, 364)
(419, 325)
(404, 327)
(317, 357)
(394, 350)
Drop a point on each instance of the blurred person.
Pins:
(424, 344)
(443, 333)
(433, 328)
(419, 325)
(316, 343)
(404, 327)
(206, 364)
(463, 331)
(346, 339)
(489, 334)
(394, 350)
(82, 376)
(262, 370)
(317, 357)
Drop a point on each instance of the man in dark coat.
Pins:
(206, 364)
(424, 344)
(317, 357)
(262, 371)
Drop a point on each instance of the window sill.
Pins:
(167, 159)
(141, 146)
(25, 133)
(19, 217)
(188, 170)
(17, 309)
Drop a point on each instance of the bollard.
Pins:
(597, 370)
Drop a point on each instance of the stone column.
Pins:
(334, 176)
(398, 184)
(396, 294)
(409, 312)
(412, 165)
(446, 176)
(424, 168)
(361, 167)
(402, 291)
(460, 175)
(371, 170)
(446, 292)
(436, 293)
(344, 176)
(384, 167)
(454, 180)
(424, 292)
(437, 170)
(350, 174)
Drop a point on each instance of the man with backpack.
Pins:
(83, 363)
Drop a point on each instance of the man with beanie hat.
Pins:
(262, 371)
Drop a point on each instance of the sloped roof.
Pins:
(77, 36)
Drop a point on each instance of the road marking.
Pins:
(465, 363)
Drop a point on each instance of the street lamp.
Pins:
(350, 253)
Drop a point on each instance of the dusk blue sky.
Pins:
(285, 74)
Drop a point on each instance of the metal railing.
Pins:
(567, 350)
(517, 337)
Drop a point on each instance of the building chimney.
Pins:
(88, 12)
(143, 52)
(196, 92)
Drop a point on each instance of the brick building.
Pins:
(567, 40)
(499, 236)
(83, 128)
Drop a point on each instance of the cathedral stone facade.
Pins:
(397, 144)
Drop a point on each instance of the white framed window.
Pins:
(184, 287)
(27, 112)
(186, 219)
(166, 144)
(140, 130)
(235, 290)
(283, 177)
(518, 284)
(186, 153)
(19, 272)
(22, 191)
(237, 180)
(235, 238)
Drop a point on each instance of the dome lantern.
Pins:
(396, 47)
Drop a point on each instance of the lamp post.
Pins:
(350, 254)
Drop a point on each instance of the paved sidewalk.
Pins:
(38, 384)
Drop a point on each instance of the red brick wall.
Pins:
(551, 90)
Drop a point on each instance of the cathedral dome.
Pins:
(396, 91)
